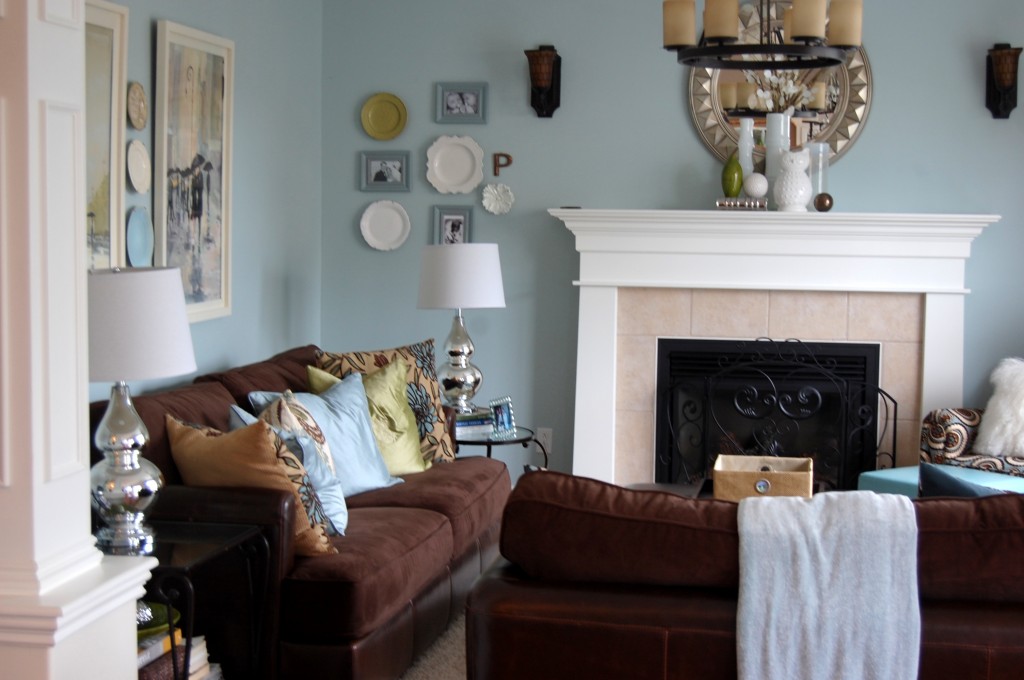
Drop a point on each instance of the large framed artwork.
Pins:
(106, 44)
(192, 197)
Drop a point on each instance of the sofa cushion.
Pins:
(253, 456)
(284, 371)
(300, 440)
(343, 416)
(394, 423)
(422, 390)
(386, 557)
(470, 492)
(943, 480)
(204, 404)
(971, 548)
(561, 527)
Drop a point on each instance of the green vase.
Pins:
(732, 177)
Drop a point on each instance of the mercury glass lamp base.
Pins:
(122, 541)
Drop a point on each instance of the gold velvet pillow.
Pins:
(422, 389)
(252, 456)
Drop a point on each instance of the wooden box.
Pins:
(737, 477)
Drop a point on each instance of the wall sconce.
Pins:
(1001, 79)
(545, 80)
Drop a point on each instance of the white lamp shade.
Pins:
(138, 325)
(461, 276)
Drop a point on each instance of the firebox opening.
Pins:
(771, 398)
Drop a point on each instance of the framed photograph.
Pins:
(504, 421)
(192, 168)
(460, 103)
(106, 64)
(384, 171)
(452, 223)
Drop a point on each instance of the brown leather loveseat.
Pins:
(409, 556)
(600, 581)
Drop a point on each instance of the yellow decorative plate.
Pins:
(383, 116)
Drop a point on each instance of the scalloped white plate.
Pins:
(385, 225)
(455, 165)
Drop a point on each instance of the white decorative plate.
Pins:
(455, 165)
(140, 172)
(139, 237)
(498, 199)
(385, 225)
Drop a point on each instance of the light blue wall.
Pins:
(623, 139)
(276, 218)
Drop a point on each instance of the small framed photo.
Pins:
(460, 103)
(384, 171)
(504, 421)
(451, 224)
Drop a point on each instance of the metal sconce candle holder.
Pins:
(545, 80)
(1001, 79)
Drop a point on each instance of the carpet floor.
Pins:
(445, 659)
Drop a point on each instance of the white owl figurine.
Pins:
(792, 186)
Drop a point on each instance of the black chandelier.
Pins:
(799, 41)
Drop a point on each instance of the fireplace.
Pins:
(768, 398)
(647, 274)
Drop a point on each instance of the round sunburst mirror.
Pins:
(838, 121)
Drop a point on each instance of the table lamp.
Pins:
(460, 276)
(138, 330)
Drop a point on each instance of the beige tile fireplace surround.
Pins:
(894, 280)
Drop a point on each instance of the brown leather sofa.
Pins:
(600, 581)
(404, 567)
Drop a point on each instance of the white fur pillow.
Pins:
(1001, 432)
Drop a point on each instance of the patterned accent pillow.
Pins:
(422, 389)
(253, 456)
(288, 414)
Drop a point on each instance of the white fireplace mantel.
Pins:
(862, 252)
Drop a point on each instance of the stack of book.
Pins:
(155, 661)
(475, 425)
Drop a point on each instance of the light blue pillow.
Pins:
(343, 415)
(327, 486)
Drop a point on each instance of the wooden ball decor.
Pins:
(823, 202)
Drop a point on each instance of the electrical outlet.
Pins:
(544, 437)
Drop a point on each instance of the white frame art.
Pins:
(105, 94)
(192, 168)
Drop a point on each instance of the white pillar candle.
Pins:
(818, 91)
(809, 19)
(744, 92)
(845, 22)
(679, 22)
(727, 95)
(721, 19)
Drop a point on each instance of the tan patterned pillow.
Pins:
(288, 414)
(252, 456)
(422, 389)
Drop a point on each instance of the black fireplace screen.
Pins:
(772, 398)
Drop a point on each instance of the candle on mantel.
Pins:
(809, 19)
(845, 23)
(818, 91)
(721, 19)
(727, 95)
(679, 19)
(787, 26)
(744, 91)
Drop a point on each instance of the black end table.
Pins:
(522, 435)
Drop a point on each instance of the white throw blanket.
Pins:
(828, 588)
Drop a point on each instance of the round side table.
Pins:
(522, 435)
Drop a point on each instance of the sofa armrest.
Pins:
(949, 433)
(271, 509)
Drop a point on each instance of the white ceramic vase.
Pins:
(792, 188)
(745, 146)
